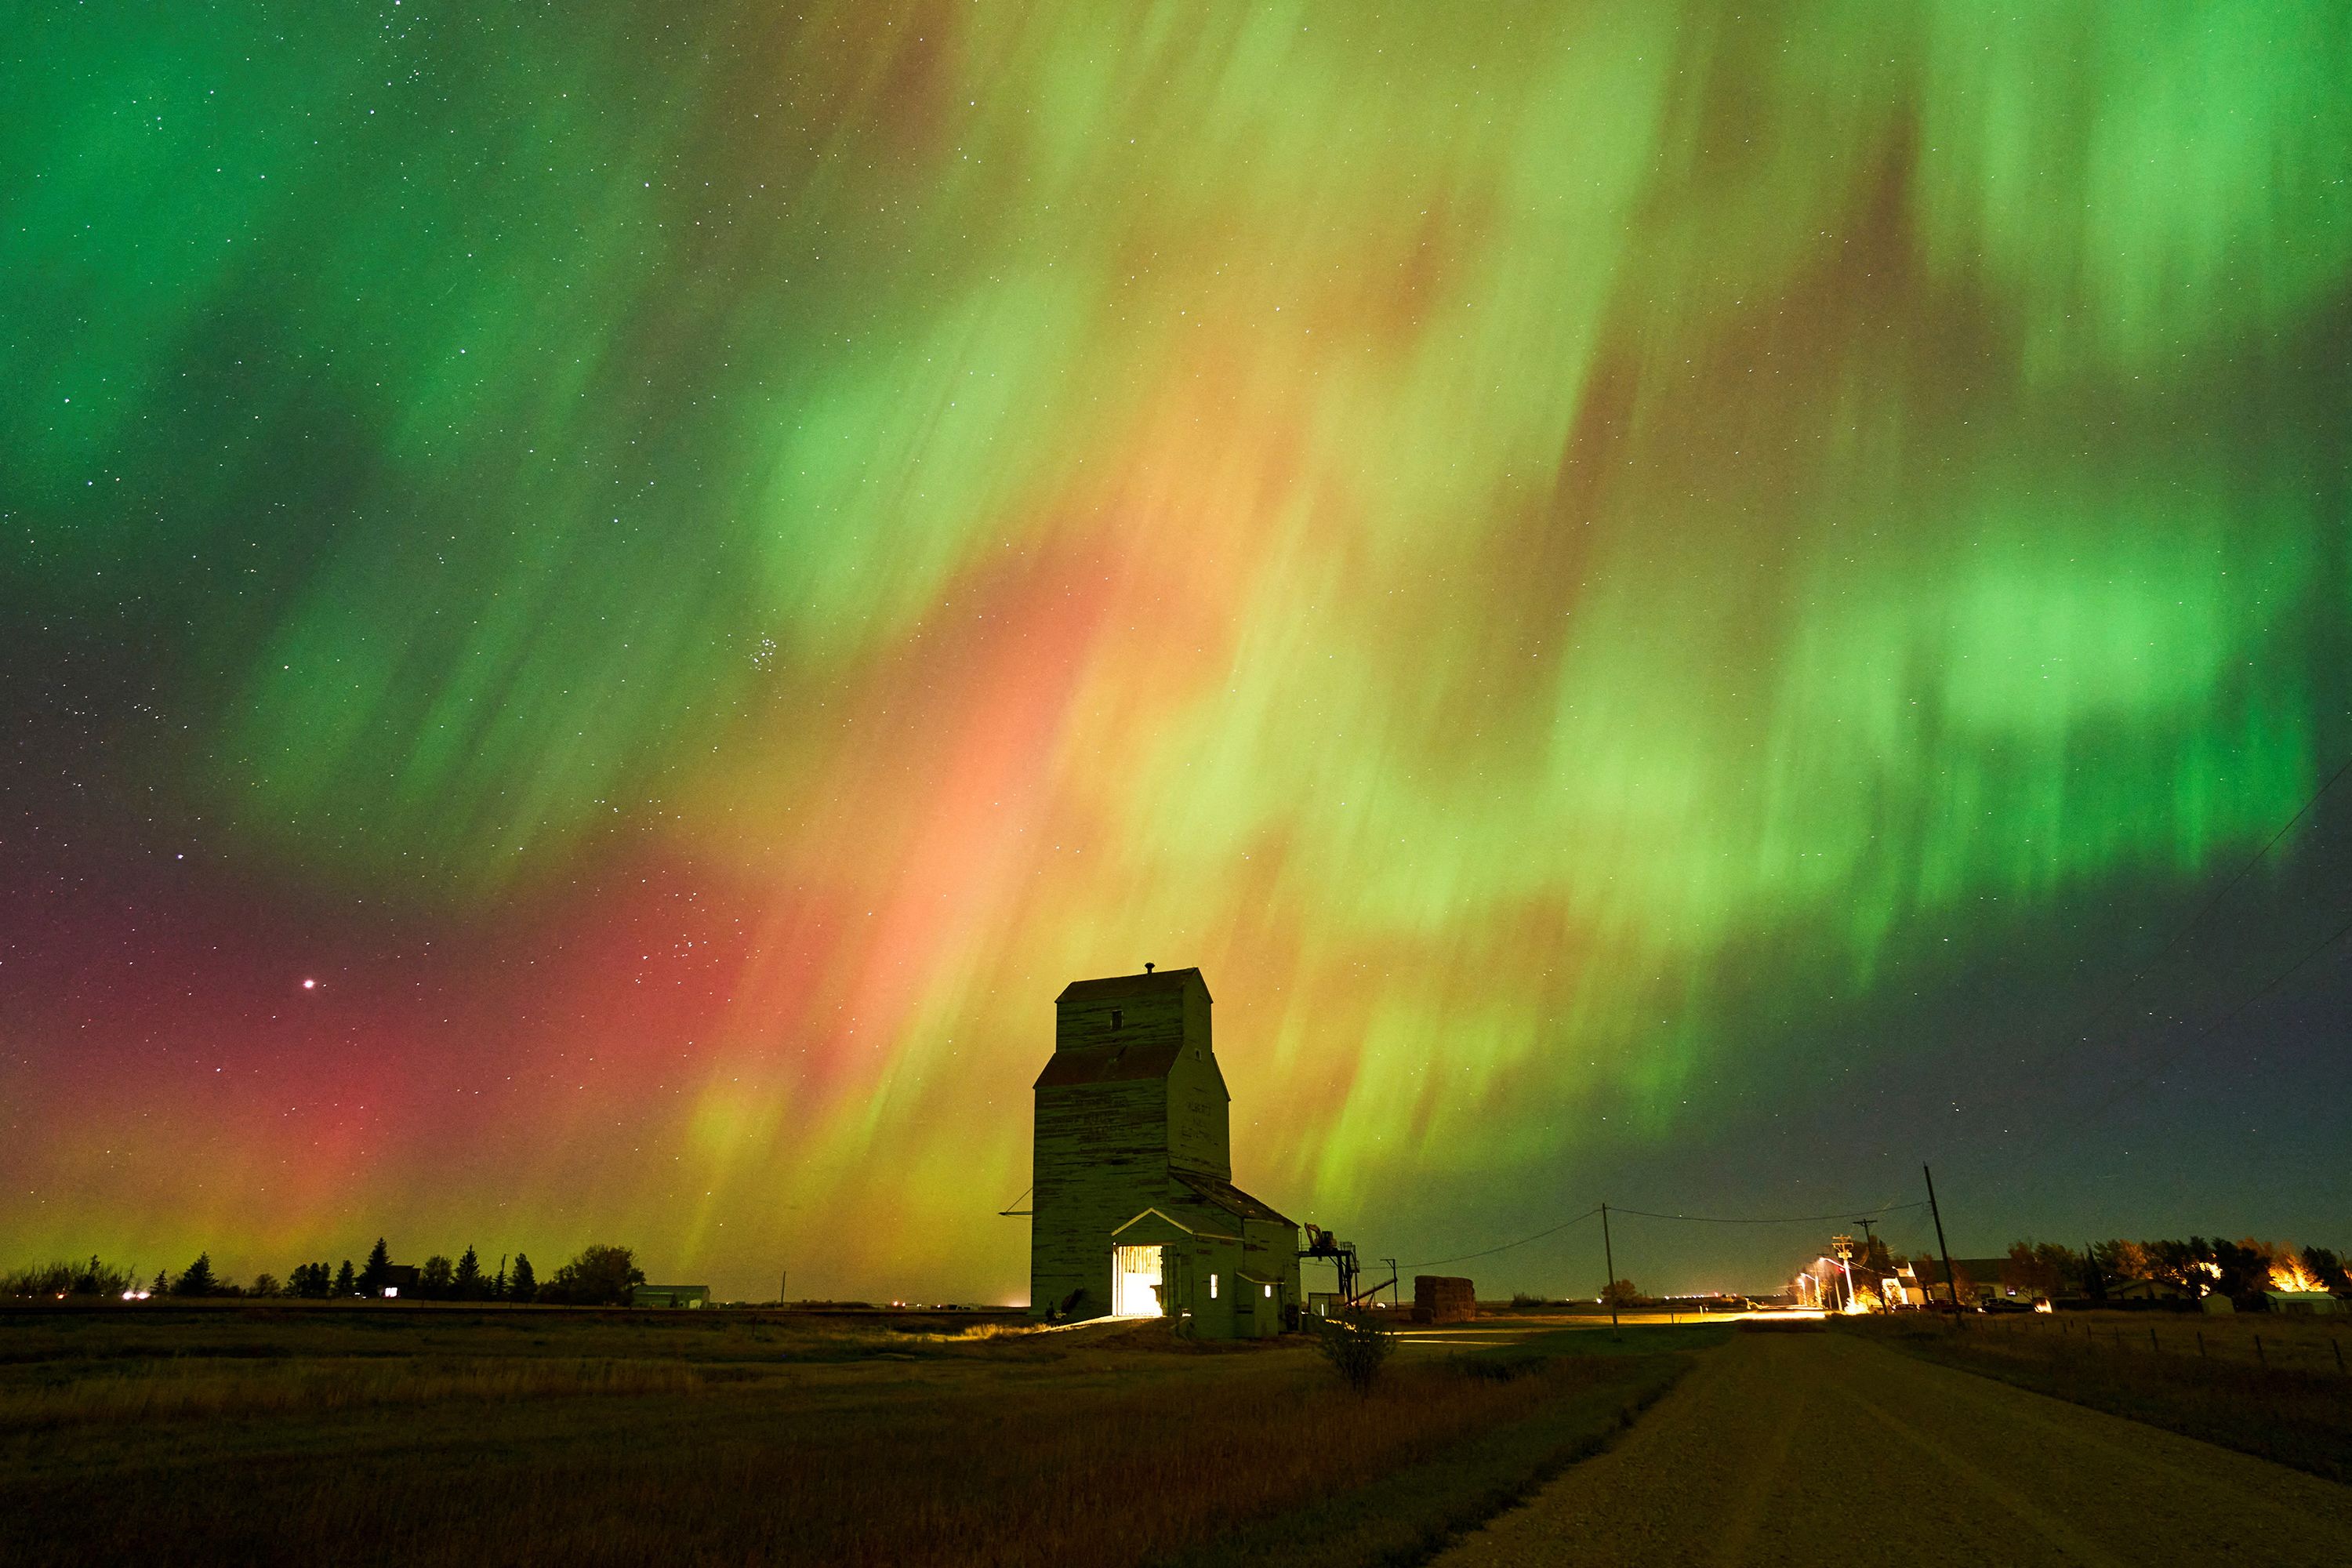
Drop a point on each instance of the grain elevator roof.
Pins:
(1112, 987)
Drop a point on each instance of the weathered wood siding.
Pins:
(1160, 1015)
(1133, 1091)
(1200, 1111)
(1101, 1159)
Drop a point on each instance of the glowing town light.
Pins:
(2289, 1273)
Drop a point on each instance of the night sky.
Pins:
(1681, 604)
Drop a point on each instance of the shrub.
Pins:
(1356, 1350)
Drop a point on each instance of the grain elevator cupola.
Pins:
(1135, 1212)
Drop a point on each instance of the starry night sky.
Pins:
(1685, 603)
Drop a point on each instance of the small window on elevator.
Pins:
(1117, 1017)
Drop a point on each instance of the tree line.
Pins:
(2242, 1270)
(598, 1276)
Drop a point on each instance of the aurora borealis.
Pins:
(1665, 598)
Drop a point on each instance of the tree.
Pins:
(466, 1284)
(2324, 1265)
(2183, 1263)
(2030, 1271)
(2094, 1280)
(2122, 1259)
(197, 1280)
(1621, 1293)
(600, 1277)
(309, 1280)
(346, 1282)
(267, 1285)
(373, 1277)
(2243, 1269)
(163, 1283)
(96, 1278)
(499, 1283)
(524, 1285)
(435, 1281)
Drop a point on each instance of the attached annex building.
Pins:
(1134, 1211)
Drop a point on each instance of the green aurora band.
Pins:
(696, 563)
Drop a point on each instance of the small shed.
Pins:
(669, 1295)
(2307, 1303)
(1442, 1299)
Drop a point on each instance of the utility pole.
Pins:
(1866, 1238)
(1950, 1282)
(1609, 1255)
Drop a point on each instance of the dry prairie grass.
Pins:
(1000, 1451)
(163, 1391)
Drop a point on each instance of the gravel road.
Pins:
(1784, 1448)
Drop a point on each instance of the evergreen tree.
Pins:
(198, 1278)
(498, 1285)
(379, 1265)
(346, 1282)
(524, 1285)
(163, 1283)
(437, 1280)
(466, 1285)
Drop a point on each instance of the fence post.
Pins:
(2259, 1354)
(2200, 1344)
(2151, 1340)
(2337, 1346)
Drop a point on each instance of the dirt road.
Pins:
(1778, 1445)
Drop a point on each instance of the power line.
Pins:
(1693, 1218)
(2147, 966)
(1506, 1247)
(1777, 1219)
(2158, 1066)
(2168, 1058)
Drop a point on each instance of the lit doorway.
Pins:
(1135, 1282)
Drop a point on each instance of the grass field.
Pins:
(2263, 1384)
(255, 1434)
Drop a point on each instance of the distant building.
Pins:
(1988, 1280)
(1134, 1212)
(398, 1279)
(669, 1295)
(2302, 1301)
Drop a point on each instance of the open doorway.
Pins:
(1135, 1291)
